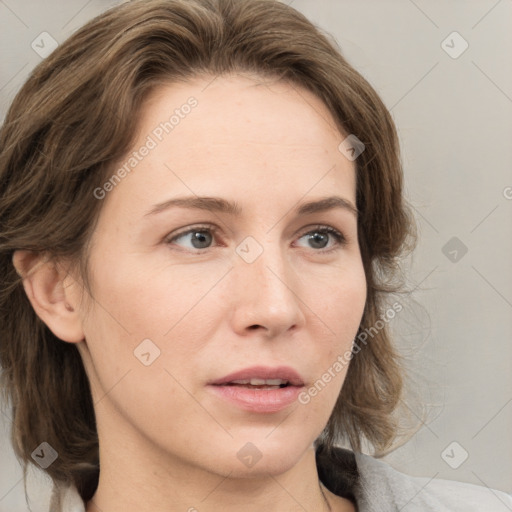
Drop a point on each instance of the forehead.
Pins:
(233, 134)
(267, 111)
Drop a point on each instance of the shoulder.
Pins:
(382, 488)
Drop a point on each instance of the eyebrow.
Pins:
(217, 204)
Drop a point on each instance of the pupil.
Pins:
(315, 238)
(200, 236)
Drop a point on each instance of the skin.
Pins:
(166, 443)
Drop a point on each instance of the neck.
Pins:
(131, 485)
(137, 475)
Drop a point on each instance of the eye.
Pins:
(199, 236)
(319, 238)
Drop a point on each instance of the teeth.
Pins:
(275, 382)
(261, 382)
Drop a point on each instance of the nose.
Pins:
(265, 296)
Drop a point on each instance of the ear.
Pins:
(52, 292)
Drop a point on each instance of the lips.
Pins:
(259, 389)
(261, 376)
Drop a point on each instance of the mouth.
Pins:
(259, 389)
(280, 376)
(258, 383)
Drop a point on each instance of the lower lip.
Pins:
(258, 400)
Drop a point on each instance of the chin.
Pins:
(260, 456)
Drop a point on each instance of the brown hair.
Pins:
(76, 116)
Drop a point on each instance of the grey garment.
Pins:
(383, 489)
(379, 488)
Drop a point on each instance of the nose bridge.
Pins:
(266, 295)
(264, 259)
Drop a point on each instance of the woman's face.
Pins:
(187, 294)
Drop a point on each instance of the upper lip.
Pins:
(263, 372)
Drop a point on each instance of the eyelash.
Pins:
(340, 239)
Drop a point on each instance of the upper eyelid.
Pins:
(187, 230)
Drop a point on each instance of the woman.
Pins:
(202, 216)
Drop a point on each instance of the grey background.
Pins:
(454, 117)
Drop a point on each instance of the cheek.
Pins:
(343, 307)
(145, 295)
(334, 319)
(343, 302)
(136, 300)
(142, 339)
